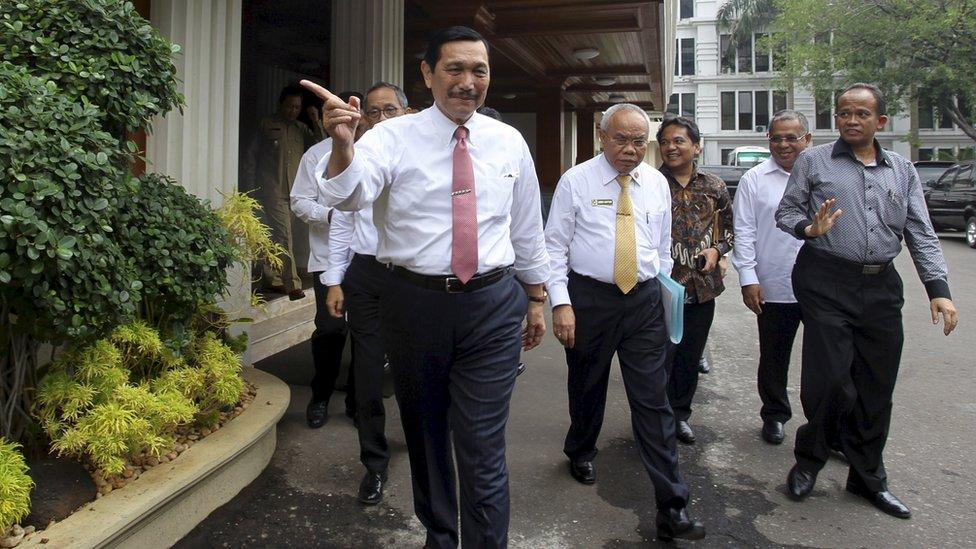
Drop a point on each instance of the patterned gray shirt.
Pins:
(882, 204)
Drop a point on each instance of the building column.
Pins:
(367, 44)
(585, 131)
(549, 136)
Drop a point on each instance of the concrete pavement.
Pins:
(306, 497)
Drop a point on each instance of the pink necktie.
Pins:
(464, 244)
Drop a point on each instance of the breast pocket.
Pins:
(495, 197)
(653, 225)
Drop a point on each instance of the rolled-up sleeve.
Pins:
(744, 253)
(305, 192)
(923, 243)
(560, 228)
(791, 215)
(365, 177)
(528, 239)
(340, 253)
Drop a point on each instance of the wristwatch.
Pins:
(539, 299)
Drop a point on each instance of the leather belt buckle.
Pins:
(453, 289)
(872, 269)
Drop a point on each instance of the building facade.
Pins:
(732, 93)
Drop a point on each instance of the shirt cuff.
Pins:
(748, 277)
(801, 227)
(558, 295)
(937, 288)
(338, 189)
(333, 276)
(535, 275)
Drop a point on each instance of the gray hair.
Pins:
(786, 115)
(401, 97)
(608, 114)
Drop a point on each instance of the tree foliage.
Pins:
(911, 49)
(742, 18)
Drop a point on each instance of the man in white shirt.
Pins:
(608, 236)
(459, 222)
(352, 263)
(764, 257)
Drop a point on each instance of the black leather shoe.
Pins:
(800, 482)
(836, 450)
(371, 488)
(317, 413)
(885, 501)
(703, 366)
(684, 432)
(772, 431)
(675, 523)
(582, 471)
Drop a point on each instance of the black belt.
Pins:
(609, 286)
(450, 284)
(849, 266)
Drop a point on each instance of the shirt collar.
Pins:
(444, 127)
(842, 148)
(608, 173)
(666, 171)
(769, 166)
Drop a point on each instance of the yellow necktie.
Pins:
(625, 248)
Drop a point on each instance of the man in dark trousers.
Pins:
(850, 294)
(609, 235)
(459, 223)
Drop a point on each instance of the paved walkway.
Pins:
(306, 497)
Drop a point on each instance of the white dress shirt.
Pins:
(307, 206)
(581, 230)
(763, 254)
(404, 166)
(350, 233)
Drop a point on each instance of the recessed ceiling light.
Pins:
(605, 81)
(585, 54)
(616, 97)
(509, 96)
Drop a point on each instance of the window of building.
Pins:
(762, 109)
(926, 116)
(687, 9)
(725, 156)
(750, 110)
(763, 56)
(684, 60)
(935, 114)
(728, 110)
(727, 54)
(966, 153)
(744, 57)
(754, 53)
(779, 100)
(682, 104)
(824, 105)
(925, 154)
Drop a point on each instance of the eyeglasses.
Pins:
(388, 112)
(787, 138)
(623, 141)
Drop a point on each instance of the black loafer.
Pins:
(582, 471)
(371, 488)
(317, 413)
(703, 366)
(675, 523)
(885, 501)
(800, 482)
(772, 431)
(684, 433)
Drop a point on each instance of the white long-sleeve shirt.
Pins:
(763, 254)
(404, 166)
(349, 233)
(305, 204)
(581, 229)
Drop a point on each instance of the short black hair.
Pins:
(488, 111)
(291, 90)
(693, 132)
(346, 95)
(450, 34)
(401, 97)
(879, 100)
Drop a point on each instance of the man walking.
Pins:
(609, 235)
(458, 219)
(764, 257)
(850, 294)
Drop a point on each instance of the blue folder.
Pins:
(673, 300)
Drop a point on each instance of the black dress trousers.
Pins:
(852, 341)
(454, 357)
(683, 362)
(328, 341)
(362, 284)
(778, 324)
(632, 326)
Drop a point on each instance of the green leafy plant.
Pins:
(251, 238)
(15, 485)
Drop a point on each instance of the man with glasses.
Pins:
(352, 263)
(608, 236)
(764, 257)
(850, 294)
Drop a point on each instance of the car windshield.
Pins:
(930, 174)
(748, 159)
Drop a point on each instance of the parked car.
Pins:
(729, 174)
(929, 171)
(951, 200)
(747, 157)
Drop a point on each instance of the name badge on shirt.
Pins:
(602, 202)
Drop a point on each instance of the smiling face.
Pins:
(857, 117)
(625, 140)
(290, 107)
(677, 148)
(459, 81)
(381, 103)
(781, 144)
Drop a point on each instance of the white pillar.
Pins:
(199, 148)
(367, 43)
